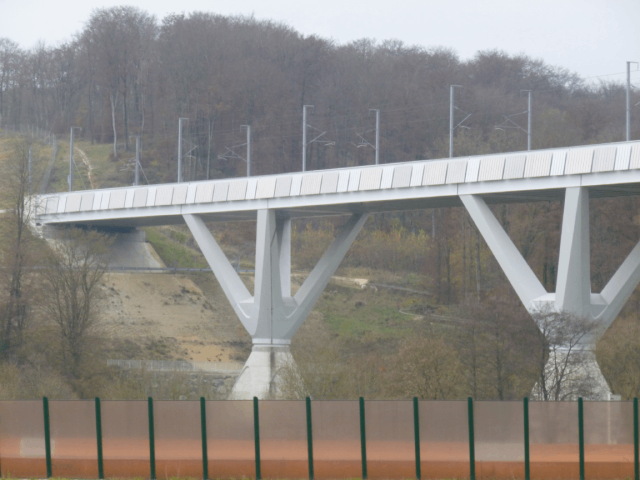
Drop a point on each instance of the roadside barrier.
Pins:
(319, 439)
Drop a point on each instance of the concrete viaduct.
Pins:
(272, 315)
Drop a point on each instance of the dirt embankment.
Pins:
(183, 320)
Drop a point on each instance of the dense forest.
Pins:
(127, 73)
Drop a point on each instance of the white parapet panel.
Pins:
(140, 197)
(370, 179)
(557, 162)
(97, 200)
(416, 175)
(311, 183)
(354, 181)
(117, 199)
(151, 196)
(179, 194)
(329, 182)
(73, 203)
(221, 191)
(435, 173)
(604, 159)
(456, 171)
(514, 167)
(634, 161)
(52, 205)
(538, 164)
(402, 176)
(266, 187)
(622, 157)
(62, 203)
(238, 190)
(283, 187)
(164, 195)
(86, 201)
(579, 160)
(491, 169)
(473, 167)
(191, 193)
(128, 203)
(252, 186)
(343, 182)
(204, 193)
(387, 177)
(296, 185)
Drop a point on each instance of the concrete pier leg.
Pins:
(573, 291)
(271, 315)
(262, 374)
(569, 375)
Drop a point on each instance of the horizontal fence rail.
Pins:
(177, 366)
(318, 439)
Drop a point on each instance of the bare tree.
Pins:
(18, 248)
(72, 293)
(428, 368)
(566, 363)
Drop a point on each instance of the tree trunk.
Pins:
(114, 101)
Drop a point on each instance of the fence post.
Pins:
(581, 437)
(472, 446)
(47, 435)
(636, 439)
(256, 431)
(99, 439)
(416, 433)
(309, 439)
(203, 430)
(527, 472)
(152, 442)
(363, 440)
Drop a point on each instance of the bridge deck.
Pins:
(542, 175)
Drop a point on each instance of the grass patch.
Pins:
(352, 311)
(172, 253)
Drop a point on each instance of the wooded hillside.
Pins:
(127, 73)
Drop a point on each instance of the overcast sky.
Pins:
(590, 37)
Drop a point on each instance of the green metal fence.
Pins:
(492, 431)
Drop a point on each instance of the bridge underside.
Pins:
(377, 206)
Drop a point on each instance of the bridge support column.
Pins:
(573, 287)
(272, 315)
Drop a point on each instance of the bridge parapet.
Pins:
(502, 171)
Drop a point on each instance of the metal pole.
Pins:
(529, 123)
(527, 463)
(304, 137)
(309, 439)
(152, 441)
(47, 436)
(70, 179)
(636, 440)
(180, 148)
(628, 101)
(416, 434)
(248, 127)
(136, 180)
(377, 134)
(472, 446)
(30, 170)
(71, 160)
(256, 433)
(363, 440)
(203, 433)
(451, 118)
(581, 437)
(99, 439)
